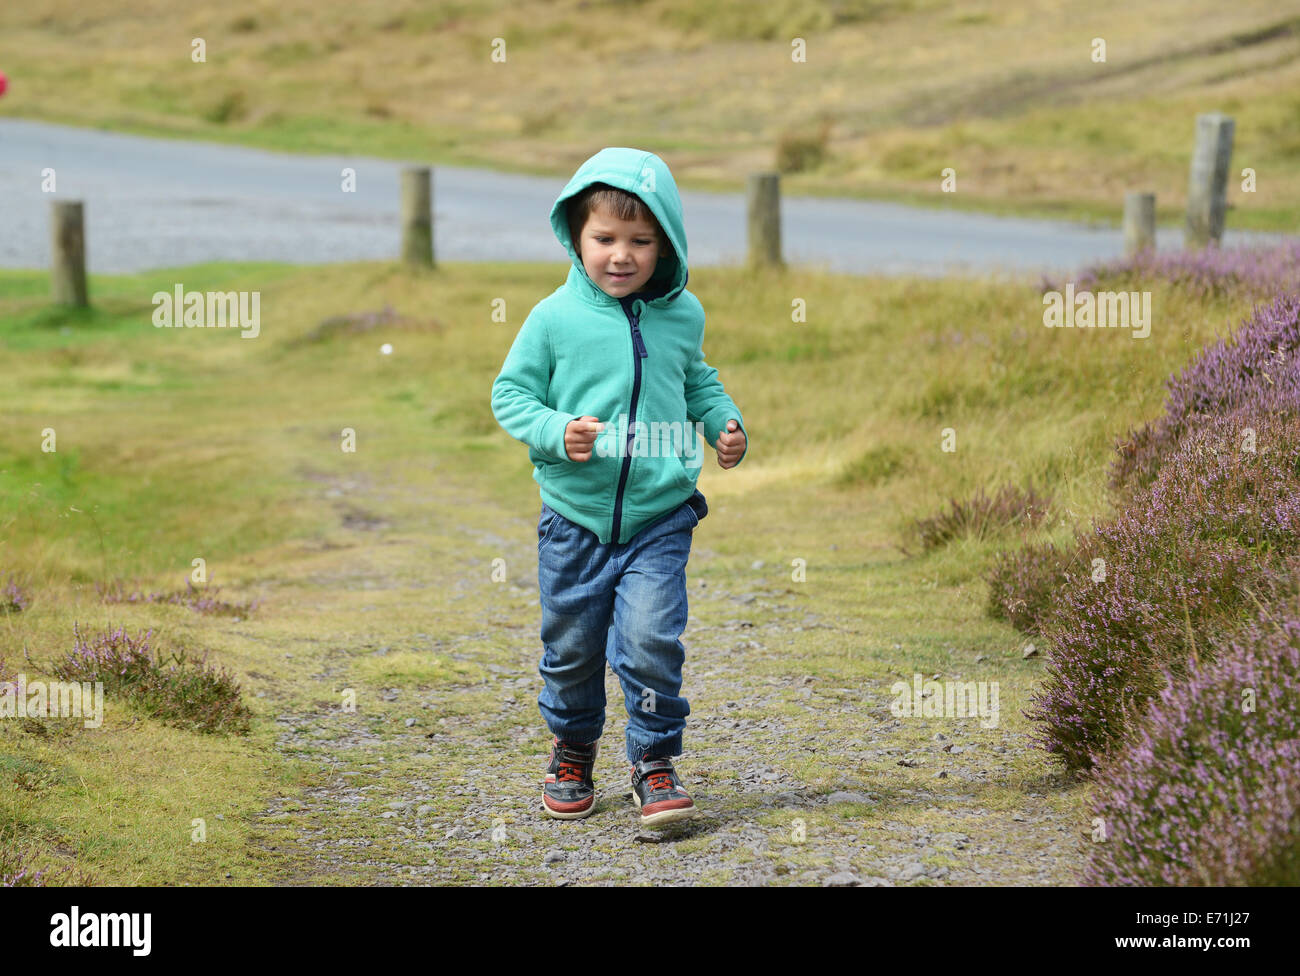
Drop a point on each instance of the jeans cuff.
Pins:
(662, 749)
(579, 736)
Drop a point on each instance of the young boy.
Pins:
(607, 385)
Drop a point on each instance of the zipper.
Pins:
(639, 352)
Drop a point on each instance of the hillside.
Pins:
(887, 96)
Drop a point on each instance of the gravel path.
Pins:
(799, 781)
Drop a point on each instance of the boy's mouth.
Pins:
(620, 276)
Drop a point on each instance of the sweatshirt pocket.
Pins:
(654, 476)
(688, 473)
(586, 484)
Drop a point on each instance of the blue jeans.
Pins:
(622, 603)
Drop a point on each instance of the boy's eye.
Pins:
(639, 240)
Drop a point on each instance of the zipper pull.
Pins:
(637, 340)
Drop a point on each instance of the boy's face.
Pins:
(618, 255)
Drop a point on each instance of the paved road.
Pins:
(160, 203)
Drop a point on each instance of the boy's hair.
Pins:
(620, 203)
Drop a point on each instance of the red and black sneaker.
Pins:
(659, 793)
(569, 793)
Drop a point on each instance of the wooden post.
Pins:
(1139, 223)
(763, 193)
(1208, 183)
(68, 253)
(417, 216)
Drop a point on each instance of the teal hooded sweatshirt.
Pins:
(636, 362)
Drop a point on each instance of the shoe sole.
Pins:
(576, 814)
(667, 816)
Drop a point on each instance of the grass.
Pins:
(227, 450)
(888, 95)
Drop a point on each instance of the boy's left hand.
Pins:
(731, 445)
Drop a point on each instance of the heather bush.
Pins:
(1249, 272)
(1259, 358)
(175, 688)
(1208, 791)
(981, 516)
(18, 871)
(1174, 571)
(13, 599)
(1023, 584)
(199, 600)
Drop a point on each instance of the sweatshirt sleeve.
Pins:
(520, 391)
(707, 402)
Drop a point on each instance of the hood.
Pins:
(648, 177)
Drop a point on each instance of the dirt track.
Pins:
(436, 785)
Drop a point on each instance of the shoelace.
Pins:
(569, 772)
(659, 781)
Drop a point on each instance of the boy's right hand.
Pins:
(579, 436)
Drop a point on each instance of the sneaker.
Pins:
(658, 792)
(569, 793)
